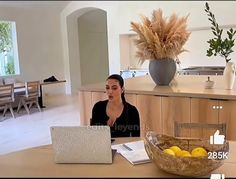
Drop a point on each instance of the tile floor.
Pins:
(26, 131)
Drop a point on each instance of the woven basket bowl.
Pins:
(184, 166)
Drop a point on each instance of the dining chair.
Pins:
(7, 98)
(32, 93)
(178, 126)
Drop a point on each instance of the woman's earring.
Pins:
(123, 90)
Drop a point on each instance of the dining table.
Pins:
(20, 87)
(39, 162)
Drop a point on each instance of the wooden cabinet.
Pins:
(203, 111)
(213, 111)
(175, 109)
(85, 103)
(159, 113)
(149, 107)
(131, 98)
(227, 114)
(98, 96)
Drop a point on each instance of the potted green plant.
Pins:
(160, 40)
(223, 48)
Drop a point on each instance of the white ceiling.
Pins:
(35, 4)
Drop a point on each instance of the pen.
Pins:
(125, 146)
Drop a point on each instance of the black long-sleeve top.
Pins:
(127, 125)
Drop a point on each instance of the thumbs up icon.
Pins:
(217, 176)
(216, 138)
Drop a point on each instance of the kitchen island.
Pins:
(185, 100)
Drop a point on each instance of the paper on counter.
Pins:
(134, 152)
(136, 156)
(136, 145)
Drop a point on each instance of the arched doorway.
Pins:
(88, 47)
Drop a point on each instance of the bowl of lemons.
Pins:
(184, 156)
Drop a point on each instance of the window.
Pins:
(9, 63)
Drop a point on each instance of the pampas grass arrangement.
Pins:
(160, 37)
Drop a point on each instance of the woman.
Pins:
(122, 117)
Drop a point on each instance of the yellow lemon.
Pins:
(199, 152)
(178, 153)
(185, 153)
(175, 149)
(168, 151)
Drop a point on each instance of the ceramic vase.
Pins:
(229, 75)
(162, 71)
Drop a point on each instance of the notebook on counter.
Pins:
(81, 144)
(136, 156)
(134, 152)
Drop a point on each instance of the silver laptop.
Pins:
(81, 144)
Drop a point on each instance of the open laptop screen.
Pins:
(81, 144)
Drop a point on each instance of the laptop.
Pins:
(81, 144)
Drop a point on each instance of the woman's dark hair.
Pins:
(121, 83)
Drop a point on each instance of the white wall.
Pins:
(125, 53)
(93, 47)
(197, 47)
(82, 6)
(121, 13)
(39, 44)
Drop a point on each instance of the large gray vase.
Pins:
(162, 71)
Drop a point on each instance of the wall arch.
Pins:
(87, 46)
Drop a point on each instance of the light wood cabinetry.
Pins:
(85, 103)
(185, 100)
(175, 109)
(203, 111)
(159, 113)
(149, 107)
(227, 114)
(131, 98)
(213, 111)
(98, 96)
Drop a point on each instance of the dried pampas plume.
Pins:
(159, 37)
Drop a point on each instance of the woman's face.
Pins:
(113, 90)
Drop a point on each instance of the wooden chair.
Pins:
(32, 93)
(7, 98)
(179, 126)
